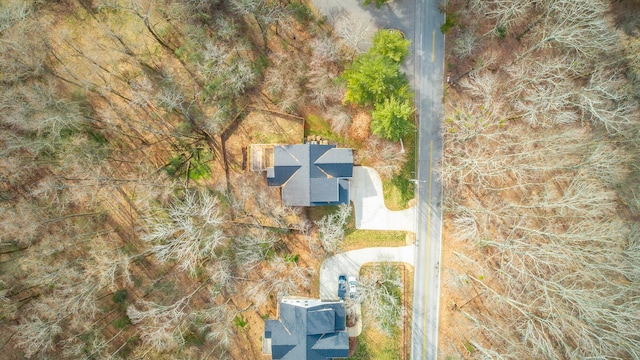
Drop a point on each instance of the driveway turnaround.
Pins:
(370, 210)
(349, 263)
(356, 23)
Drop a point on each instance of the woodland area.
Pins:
(542, 180)
(128, 228)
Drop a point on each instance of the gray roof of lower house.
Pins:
(308, 329)
(311, 174)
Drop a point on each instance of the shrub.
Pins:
(378, 3)
(120, 296)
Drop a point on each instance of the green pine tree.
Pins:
(391, 119)
(391, 43)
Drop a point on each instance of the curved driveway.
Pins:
(349, 263)
(368, 202)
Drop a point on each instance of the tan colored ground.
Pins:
(141, 138)
(360, 126)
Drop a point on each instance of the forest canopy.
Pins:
(375, 79)
(130, 225)
(541, 180)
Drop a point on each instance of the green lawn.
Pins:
(393, 197)
(358, 239)
(374, 345)
(315, 213)
(315, 125)
(399, 189)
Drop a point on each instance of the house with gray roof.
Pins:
(311, 174)
(308, 329)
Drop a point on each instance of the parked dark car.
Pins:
(342, 286)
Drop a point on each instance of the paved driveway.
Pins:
(349, 263)
(368, 202)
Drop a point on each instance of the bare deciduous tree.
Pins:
(264, 12)
(465, 43)
(508, 13)
(606, 103)
(578, 26)
(188, 231)
(279, 277)
(541, 206)
(325, 50)
(252, 248)
(287, 94)
(380, 289)
(385, 156)
(162, 326)
(340, 121)
(22, 55)
(39, 108)
(331, 228)
(353, 31)
(36, 336)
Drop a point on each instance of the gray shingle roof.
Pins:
(324, 190)
(311, 174)
(308, 329)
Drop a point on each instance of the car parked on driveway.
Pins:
(342, 286)
(353, 287)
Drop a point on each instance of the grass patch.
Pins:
(262, 137)
(261, 64)
(358, 239)
(240, 321)
(374, 345)
(450, 22)
(121, 323)
(315, 125)
(469, 347)
(194, 338)
(165, 292)
(400, 190)
(301, 12)
(315, 213)
(194, 163)
(120, 296)
(393, 196)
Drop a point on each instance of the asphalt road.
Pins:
(429, 75)
(420, 20)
